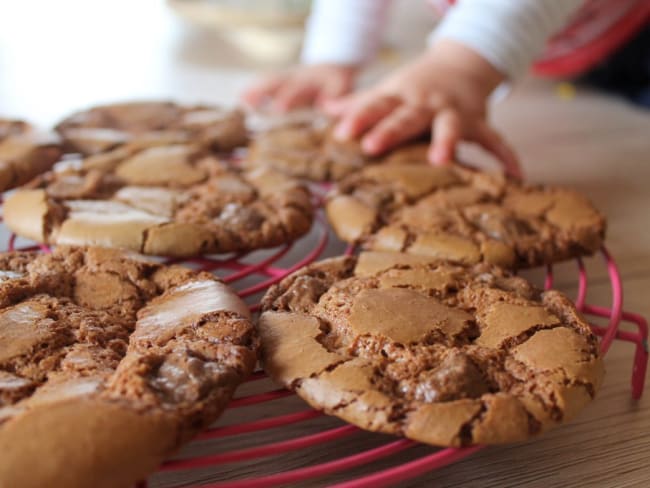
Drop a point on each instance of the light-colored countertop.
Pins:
(59, 56)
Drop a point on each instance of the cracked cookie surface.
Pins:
(305, 150)
(441, 353)
(463, 215)
(24, 152)
(108, 364)
(173, 200)
(105, 127)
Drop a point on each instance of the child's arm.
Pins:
(445, 91)
(479, 44)
(341, 35)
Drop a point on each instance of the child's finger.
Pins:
(447, 131)
(335, 108)
(333, 90)
(401, 125)
(257, 94)
(295, 95)
(365, 114)
(490, 140)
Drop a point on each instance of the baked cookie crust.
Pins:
(441, 353)
(108, 364)
(24, 153)
(172, 200)
(305, 150)
(463, 215)
(106, 127)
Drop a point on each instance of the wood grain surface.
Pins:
(91, 52)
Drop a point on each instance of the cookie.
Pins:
(108, 364)
(12, 127)
(456, 213)
(262, 121)
(24, 153)
(174, 200)
(305, 150)
(105, 127)
(441, 353)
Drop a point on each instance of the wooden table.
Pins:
(76, 53)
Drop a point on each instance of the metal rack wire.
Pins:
(252, 274)
(614, 314)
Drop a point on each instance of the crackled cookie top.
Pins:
(24, 152)
(467, 216)
(442, 353)
(105, 127)
(12, 127)
(175, 200)
(305, 150)
(88, 330)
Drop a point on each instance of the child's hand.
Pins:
(445, 91)
(308, 85)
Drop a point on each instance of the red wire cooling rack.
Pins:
(251, 274)
(615, 316)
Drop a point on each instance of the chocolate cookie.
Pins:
(467, 216)
(175, 200)
(24, 153)
(109, 364)
(105, 127)
(441, 353)
(305, 150)
(12, 127)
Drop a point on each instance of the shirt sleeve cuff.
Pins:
(344, 32)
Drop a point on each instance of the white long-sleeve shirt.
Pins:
(507, 33)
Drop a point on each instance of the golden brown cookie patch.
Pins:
(358, 218)
(385, 312)
(291, 337)
(413, 179)
(161, 166)
(418, 278)
(446, 246)
(501, 321)
(304, 150)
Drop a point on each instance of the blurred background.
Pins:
(56, 56)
